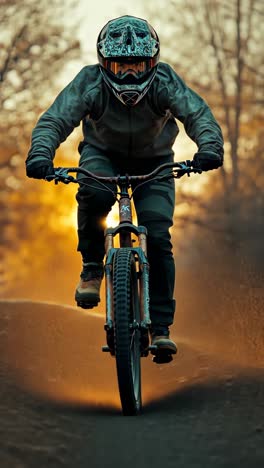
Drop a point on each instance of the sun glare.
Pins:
(112, 218)
(70, 220)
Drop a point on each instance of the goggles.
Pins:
(122, 69)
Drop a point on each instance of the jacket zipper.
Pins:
(130, 133)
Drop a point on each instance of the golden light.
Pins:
(70, 219)
(112, 218)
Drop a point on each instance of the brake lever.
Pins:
(182, 170)
(181, 173)
(60, 175)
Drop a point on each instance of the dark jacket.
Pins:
(146, 130)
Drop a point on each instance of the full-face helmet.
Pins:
(128, 53)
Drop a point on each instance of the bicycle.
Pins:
(127, 281)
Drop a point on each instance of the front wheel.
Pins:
(127, 333)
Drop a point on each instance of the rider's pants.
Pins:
(154, 203)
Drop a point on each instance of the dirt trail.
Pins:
(59, 404)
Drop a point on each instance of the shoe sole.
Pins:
(162, 355)
(86, 301)
(86, 305)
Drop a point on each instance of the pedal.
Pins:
(106, 349)
(144, 351)
(162, 358)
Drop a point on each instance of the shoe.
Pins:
(165, 346)
(87, 294)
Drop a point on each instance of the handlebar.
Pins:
(178, 169)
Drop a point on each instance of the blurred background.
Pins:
(217, 48)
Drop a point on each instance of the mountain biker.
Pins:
(128, 103)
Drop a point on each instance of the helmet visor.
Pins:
(123, 69)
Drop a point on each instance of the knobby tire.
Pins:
(127, 339)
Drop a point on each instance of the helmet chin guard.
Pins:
(128, 55)
(129, 95)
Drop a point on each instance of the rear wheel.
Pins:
(127, 333)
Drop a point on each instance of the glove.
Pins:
(207, 160)
(40, 169)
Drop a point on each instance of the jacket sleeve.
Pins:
(196, 116)
(54, 126)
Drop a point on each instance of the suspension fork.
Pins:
(125, 217)
(140, 254)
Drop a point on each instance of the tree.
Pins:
(34, 47)
(216, 46)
